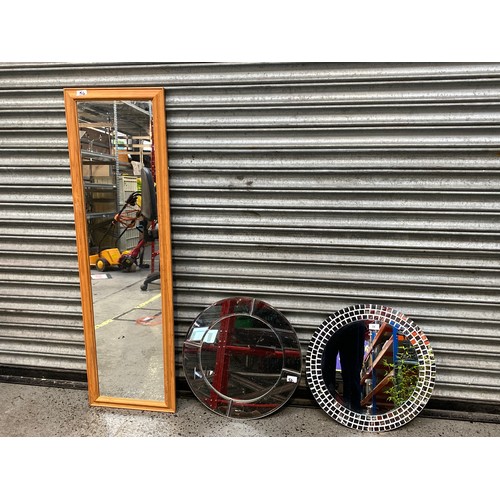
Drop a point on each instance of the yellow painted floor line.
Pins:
(152, 299)
(139, 306)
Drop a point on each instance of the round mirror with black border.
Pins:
(242, 358)
(370, 368)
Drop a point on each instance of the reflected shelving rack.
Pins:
(382, 360)
(114, 137)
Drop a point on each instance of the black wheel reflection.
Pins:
(370, 367)
(242, 358)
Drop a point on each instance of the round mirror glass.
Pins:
(242, 358)
(370, 367)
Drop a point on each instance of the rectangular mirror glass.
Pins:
(117, 146)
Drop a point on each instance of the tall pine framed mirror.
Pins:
(119, 173)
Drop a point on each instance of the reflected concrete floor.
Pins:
(128, 335)
(33, 411)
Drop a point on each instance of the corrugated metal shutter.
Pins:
(310, 186)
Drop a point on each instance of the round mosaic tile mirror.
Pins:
(370, 368)
(242, 358)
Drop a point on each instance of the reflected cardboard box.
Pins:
(97, 171)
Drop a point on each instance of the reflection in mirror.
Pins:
(115, 173)
(116, 148)
(242, 358)
(370, 367)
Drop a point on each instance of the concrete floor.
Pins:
(33, 411)
(174, 455)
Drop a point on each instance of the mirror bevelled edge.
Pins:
(157, 97)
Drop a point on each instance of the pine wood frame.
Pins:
(157, 98)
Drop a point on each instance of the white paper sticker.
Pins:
(291, 378)
(374, 326)
(81, 92)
